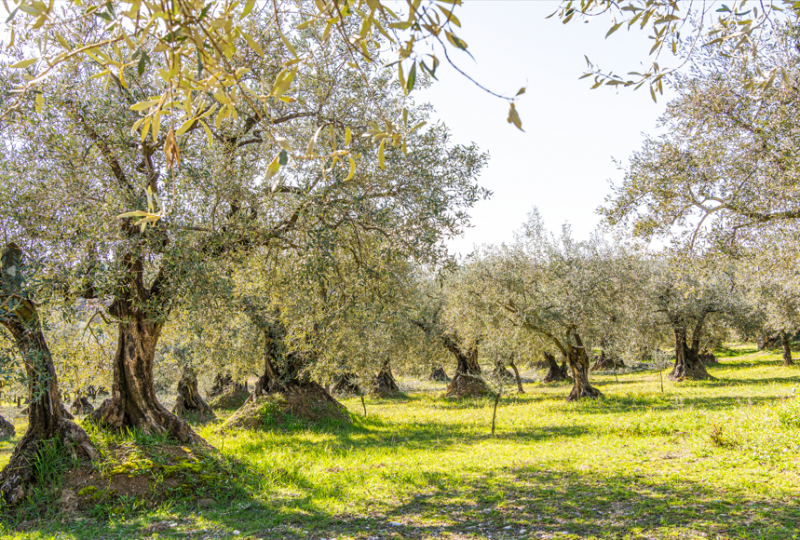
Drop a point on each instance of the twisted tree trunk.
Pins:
(787, 349)
(607, 361)
(189, 400)
(554, 371)
(579, 365)
(347, 384)
(438, 375)
(687, 359)
(467, 380)
(133, 401)
(46, 421)
(385, 385)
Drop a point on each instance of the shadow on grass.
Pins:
(510, 502)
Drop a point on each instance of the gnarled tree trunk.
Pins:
(607, 361)
(554, 371)
(501, 373)
(7, 429)
(81, 405)
(46, 421)
(438, 375)
(284, 371)
(384, 384)
(133, 401)
(787, 349)
(189, 400)
(467, 380)
(578, 361)
(347, 384)
(687, 360)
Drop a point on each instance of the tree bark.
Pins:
(517, 378)
(384, 384)
(554, 371)
(438, 375)
(133, 401)
(347, 385)
(687, 360)
(189, 400)
(607, 361)
(787, 349)
(46, 420)
(501, 373)
(467, 380)
(578, 361)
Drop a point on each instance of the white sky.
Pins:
(563, 162)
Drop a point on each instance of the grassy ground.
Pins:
(715, 459)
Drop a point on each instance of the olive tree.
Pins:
(146, 230)
(47, 418)
(723, 173)
(568, 292)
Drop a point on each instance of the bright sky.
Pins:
(563, 162)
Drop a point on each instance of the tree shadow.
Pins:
(509, 502)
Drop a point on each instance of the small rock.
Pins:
(69, 501)
(395, 524)
(236, 533)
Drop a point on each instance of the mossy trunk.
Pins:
(578, 361)
(687, 360)
(554, 371)
(46, 419)
(189, 400)
(133, 402)
(787, 349)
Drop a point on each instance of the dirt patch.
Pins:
(231, 397)
(307, 402)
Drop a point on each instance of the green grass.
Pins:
(715, 459)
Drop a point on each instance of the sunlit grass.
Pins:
(711, 459)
